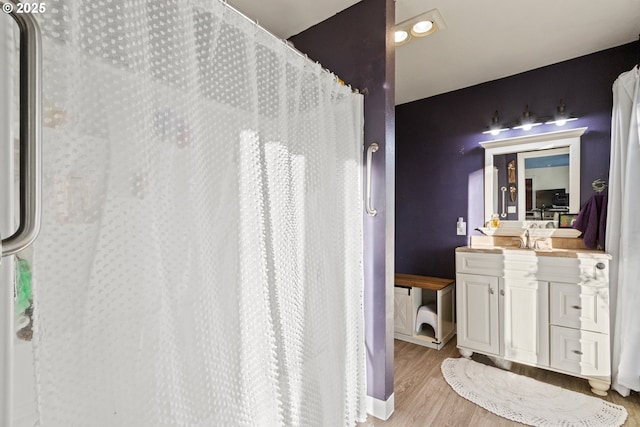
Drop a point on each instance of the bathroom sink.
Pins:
(554, 232)
(533, 232)
(502, 231)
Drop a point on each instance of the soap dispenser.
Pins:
(461, 227)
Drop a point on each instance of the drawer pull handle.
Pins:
(577, 307)
(491, 291)
(502, 292)
(577, 352)
(600, 266)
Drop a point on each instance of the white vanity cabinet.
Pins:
(548, 310)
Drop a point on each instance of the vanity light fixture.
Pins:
(419, 26)
(495, 128)
(562, 117)
(527, 121)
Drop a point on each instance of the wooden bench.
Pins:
(413, 291)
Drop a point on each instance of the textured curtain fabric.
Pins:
(200, 261)
(623, 232)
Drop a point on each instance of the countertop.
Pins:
(555, 252)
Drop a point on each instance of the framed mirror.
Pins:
(534, 177)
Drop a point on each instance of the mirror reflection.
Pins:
(544, 184)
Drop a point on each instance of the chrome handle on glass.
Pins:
(504, 202)
(30, 130)
(372, 149)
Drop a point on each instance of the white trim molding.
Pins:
(521, 141)
(379, 408)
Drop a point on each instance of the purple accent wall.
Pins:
(438, 151)
(357, 45)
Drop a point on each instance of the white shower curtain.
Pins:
(623, 232)
(200, 261)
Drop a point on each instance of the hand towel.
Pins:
(592, 220)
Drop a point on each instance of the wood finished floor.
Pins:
(423, 397)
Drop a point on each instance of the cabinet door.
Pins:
(403, 307)
(477, 309)
(526, 321)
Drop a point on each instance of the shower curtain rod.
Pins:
(287, 44)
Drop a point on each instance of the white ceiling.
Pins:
(286, 18)
(482, 41)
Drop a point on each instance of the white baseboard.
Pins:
(379, 408)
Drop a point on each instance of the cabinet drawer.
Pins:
(592, 271)
(580, 352)
(479, 263)
(580, 307)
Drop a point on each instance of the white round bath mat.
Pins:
(526, 400)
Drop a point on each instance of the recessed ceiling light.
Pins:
(401, 36)
(421, 28)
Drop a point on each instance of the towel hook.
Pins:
(599, 185)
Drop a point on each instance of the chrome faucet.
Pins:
(527, 241)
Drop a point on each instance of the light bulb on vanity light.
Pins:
(495, 128)
(562, 117)
(528, 121)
